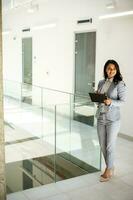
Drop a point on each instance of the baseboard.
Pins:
(126, 137)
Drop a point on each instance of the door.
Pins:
(85, 50)
(27, 70)
(27, 60)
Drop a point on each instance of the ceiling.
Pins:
(9, 4)
(120, 4)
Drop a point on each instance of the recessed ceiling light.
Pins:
(110, 6)
(121, 14)
(33, 8)
(52, 25)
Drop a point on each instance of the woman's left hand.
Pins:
(107, 102)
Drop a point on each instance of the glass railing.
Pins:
(76, 138)
(50, 136)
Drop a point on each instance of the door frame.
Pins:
(74, 68)
(74, 61)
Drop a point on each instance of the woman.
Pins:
(108, 114)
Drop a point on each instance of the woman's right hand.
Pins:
(107, 101)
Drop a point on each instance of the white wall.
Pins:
(53, 49)
(115, 41)
(56, 43)
(12, 60)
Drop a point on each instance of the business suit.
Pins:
(108, 123)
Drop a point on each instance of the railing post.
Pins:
(70, 124)
(55, 146)
(21, 98)
(2, 145)
(42, 111)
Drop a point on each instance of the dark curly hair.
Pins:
(118, 77)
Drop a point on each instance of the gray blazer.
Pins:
(117, 93)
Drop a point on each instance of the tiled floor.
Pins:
(86, 187)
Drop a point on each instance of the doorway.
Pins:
(27, 69)
(27, 60)
(85, 53)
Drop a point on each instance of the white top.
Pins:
(106, 85)
(103, 107)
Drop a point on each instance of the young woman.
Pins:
(108, 114)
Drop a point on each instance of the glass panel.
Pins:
(12, 94)
(55, 97)
(32, 109)
(49, 140)
(30, 141)
(77, 146)
(27, 93)
(83, 123)
(82, 105)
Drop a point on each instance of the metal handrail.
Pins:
(79, 95)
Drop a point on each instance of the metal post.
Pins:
(70, 126)
(55, 148)
(42, 112)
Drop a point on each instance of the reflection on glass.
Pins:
(77, 140)
(46, 140)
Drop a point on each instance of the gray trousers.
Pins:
(107, 133)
